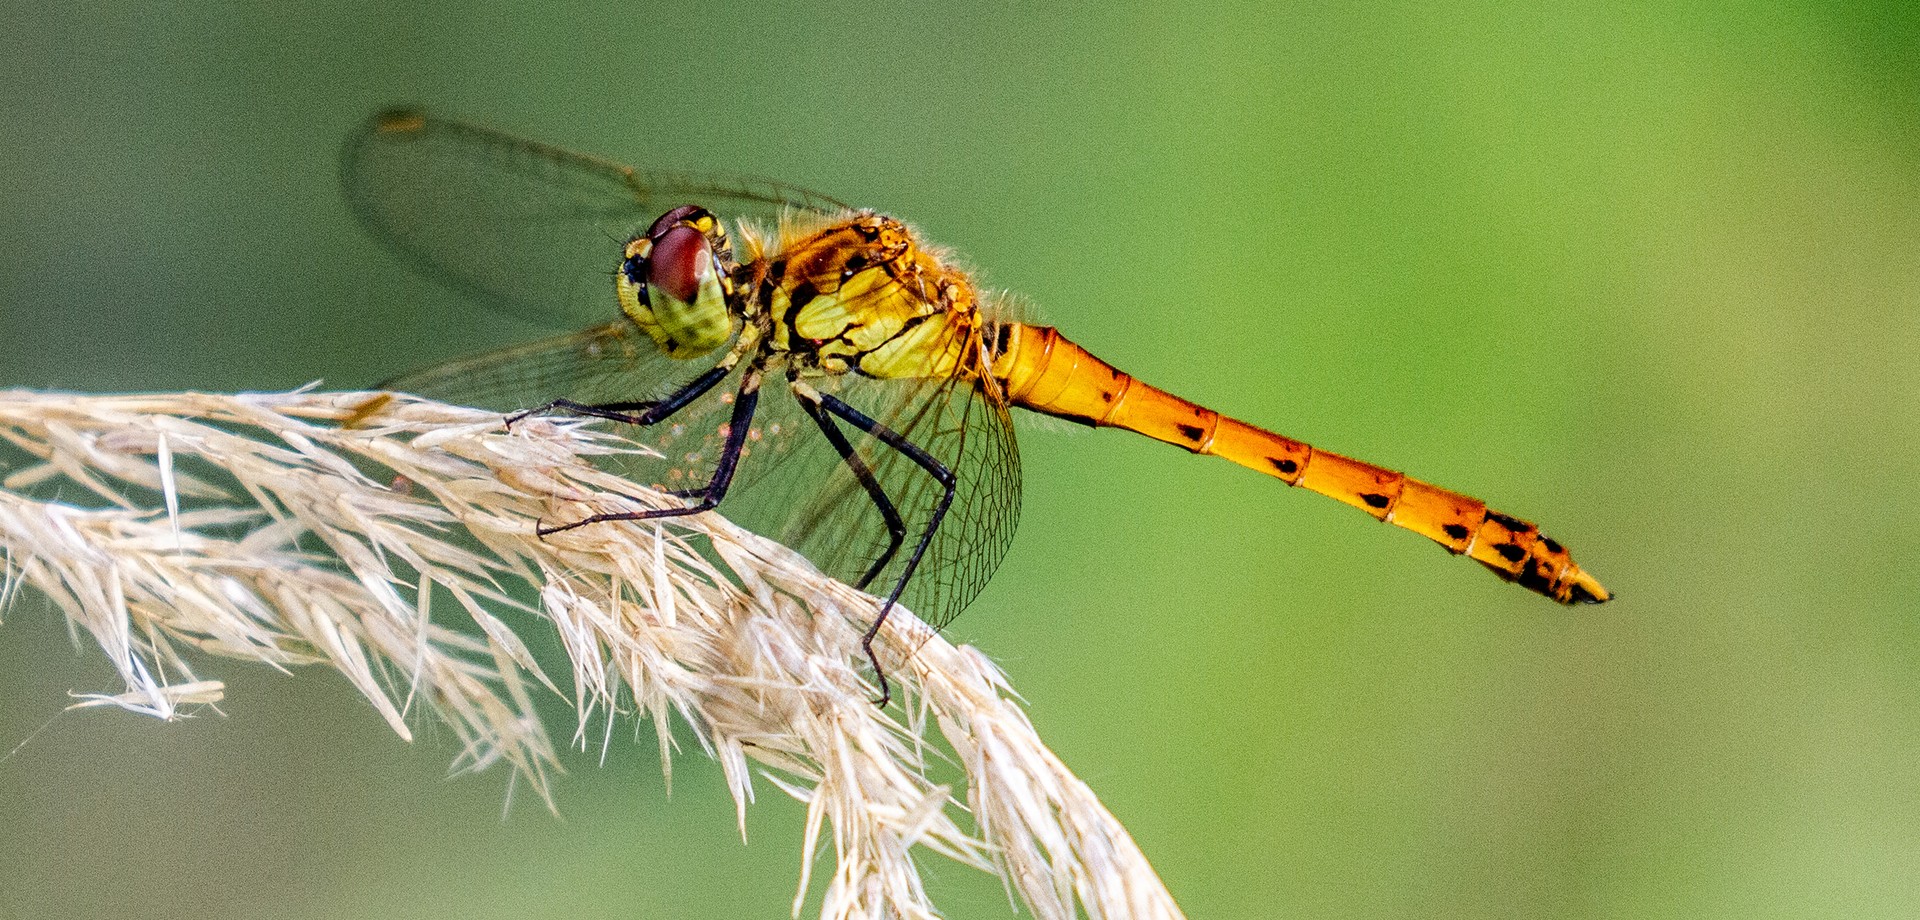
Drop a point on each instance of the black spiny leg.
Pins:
(642, 412)
(934, 468)
(716, 488)
(896, 528)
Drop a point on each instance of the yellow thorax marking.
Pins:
(870, 299)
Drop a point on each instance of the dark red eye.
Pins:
(680, 255)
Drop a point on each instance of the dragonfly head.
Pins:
(673, 282)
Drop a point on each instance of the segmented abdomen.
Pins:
(1045, 372)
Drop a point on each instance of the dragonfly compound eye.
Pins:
(681, 260)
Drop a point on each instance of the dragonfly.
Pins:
(828, 377)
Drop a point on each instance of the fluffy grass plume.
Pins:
(384, 538)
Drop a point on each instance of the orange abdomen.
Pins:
(1042, 371)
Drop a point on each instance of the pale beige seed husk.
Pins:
(384, 539)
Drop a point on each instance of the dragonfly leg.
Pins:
(640, 412)
(716, 488)
(809, 400)
(941, 474)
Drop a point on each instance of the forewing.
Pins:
(533, 228)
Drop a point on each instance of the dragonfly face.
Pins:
(675, 283)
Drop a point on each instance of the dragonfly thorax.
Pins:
(861, 295)
(673, 282)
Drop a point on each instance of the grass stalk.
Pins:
(392, 541)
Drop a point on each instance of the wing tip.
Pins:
(400, 119)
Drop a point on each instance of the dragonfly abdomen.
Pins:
(1045, 372)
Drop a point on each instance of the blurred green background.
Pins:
(1645, 273)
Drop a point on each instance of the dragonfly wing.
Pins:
(533, 228)
(973, 435)
(800, 492)
(961, 426)
(614, 362)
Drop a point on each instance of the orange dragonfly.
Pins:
(885, 450)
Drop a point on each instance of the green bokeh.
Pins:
(1647, 273)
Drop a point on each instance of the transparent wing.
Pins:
(958, 424)
(614, 362)
(801, 492)
(532, 228)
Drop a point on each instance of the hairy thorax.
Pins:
(861, 295)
